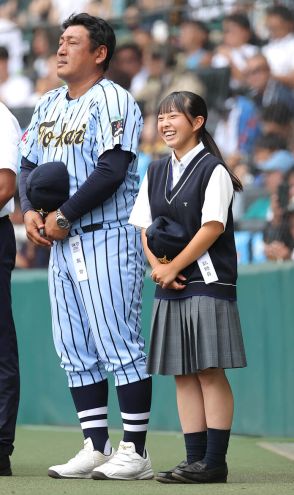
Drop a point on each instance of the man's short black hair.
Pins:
(100, 33)
(240, 19)
(281, 11)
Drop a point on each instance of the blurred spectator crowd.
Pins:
(237, 54)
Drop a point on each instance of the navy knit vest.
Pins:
(184, 205)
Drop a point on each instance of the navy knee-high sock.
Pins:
(196, 444)
(217, 446)
(91, 406)
(135, 402)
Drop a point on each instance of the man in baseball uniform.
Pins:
(10, 136)
(96, 266)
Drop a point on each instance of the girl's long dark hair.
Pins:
(192, 105)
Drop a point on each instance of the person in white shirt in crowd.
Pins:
(209, 10)
(11, 36)
(280, 48)
(61, 9)
(55, 11)
(15, 90)
(237, 47)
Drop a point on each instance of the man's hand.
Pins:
(34, 222)
(52, 231)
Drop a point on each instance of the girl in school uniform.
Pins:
(196, 331)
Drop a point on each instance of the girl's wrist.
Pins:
(175, 266)
(154, 263)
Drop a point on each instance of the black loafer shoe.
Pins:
(166, 476)
(5, 469)
(199, 472)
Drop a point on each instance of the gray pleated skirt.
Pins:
(195, 333)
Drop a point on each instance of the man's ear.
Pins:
(101, 54)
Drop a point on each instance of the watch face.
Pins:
(62, 223)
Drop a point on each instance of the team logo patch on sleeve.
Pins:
(117, 127)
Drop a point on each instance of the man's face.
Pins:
(234, 35)
(75, 61)
(257, 73)
(191, 37)
(278, 27)
(127, 61)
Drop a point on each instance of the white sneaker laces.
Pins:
(121, 457)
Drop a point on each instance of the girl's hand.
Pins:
(165, 275)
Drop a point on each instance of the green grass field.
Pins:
(252, 469)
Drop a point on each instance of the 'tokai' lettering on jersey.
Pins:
(65, 137)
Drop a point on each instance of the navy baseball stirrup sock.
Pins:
(217, 446)
(195, 445)
(135, 402)
(91, 406)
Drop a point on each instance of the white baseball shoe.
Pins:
(82, 465)
(126, 464)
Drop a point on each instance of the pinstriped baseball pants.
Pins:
(97, 322)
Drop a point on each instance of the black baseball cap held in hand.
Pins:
(166, 238)
(47, 186)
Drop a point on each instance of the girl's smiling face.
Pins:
(179, 132)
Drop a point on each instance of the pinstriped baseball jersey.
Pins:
(78, 131)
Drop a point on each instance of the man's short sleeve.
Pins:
(119, 121)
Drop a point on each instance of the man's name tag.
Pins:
(78, 258)
(207, 269)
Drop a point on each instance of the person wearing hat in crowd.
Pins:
(9, 367)
(96, 266)
(196, 331)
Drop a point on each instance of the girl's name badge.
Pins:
(207, 269)
(78, 258)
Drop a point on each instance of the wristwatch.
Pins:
(62, 222)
